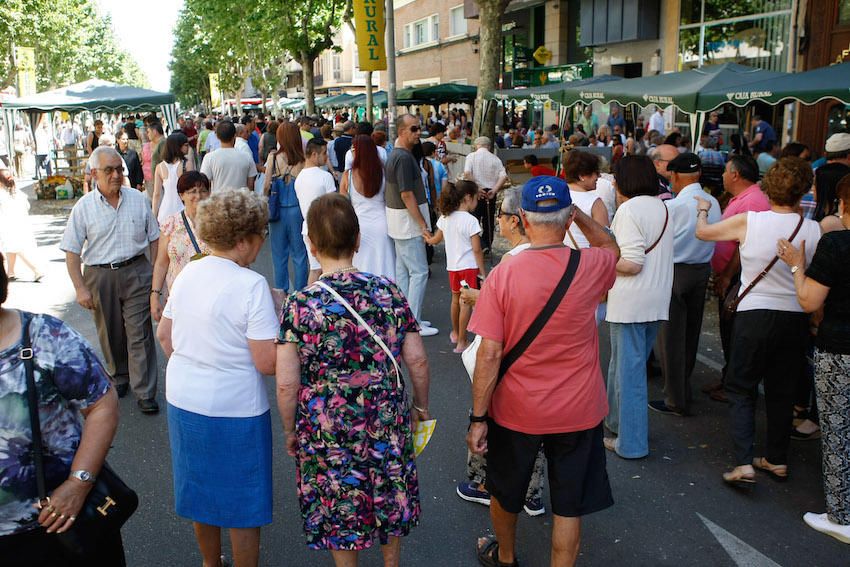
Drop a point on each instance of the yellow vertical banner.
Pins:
(215, 91)
(369, 28)
(25, 58)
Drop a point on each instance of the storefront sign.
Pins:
(369, 33)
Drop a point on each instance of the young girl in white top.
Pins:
(464, 256)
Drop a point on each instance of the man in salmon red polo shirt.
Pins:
(740, 179)
(553, 394)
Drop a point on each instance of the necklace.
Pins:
(340, 271)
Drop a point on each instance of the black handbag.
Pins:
(109, 504)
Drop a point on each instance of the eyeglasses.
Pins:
(197, 191)
(502, 213)
(109, 170)
(414, 128)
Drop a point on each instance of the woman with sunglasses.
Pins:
(179, 242)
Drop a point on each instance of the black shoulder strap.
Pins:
(541, 319)
(189, 232)
(26, 354)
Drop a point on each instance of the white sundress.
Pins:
(377, 252)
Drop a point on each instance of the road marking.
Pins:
(710, 362)
(742, 554)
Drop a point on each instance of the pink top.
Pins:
(147, 154)
(556, 386)
(180, 248)
(751, 199)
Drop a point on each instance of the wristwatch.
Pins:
(84, 476)
(794, 269)
(477, 418)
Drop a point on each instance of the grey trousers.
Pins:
(678, 338)
(832, 380)
(123, 319)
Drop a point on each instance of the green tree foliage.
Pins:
(255, 45)
(72, 43)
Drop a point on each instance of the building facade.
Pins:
(338, 71)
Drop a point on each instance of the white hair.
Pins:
(99, 153)
(106, 140)
(551, 219)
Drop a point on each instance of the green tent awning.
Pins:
(335, 101)
(546, 92)
(686, 90)
(95, 96)
(446, 92)
(808, 87)
(379, 98)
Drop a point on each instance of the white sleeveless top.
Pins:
(584, 201)
(776, 290)
(171, 202)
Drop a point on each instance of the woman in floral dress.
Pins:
(345, 411)
(176, 248)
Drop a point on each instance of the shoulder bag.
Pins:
(341, 300)
(109, 504)
(471, 353)
(198, 254)
(663, 230)
(731, 307)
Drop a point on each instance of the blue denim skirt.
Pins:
(222, 468)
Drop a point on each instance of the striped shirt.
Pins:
(110, 234)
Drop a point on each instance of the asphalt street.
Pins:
(671, 507)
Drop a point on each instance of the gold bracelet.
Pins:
(420, 410)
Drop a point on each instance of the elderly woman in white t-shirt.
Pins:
(771, 331)
(638, 302)
(218, 328)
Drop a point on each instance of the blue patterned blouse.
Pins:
(69, 377)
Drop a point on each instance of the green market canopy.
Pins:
(335, 101)
(686, 90)
(808, 87)
(446, 92)
(94, 96)
(546, 92)
(379, 98)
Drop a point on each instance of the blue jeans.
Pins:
(411, 271)
(631, 344)
(287, 241)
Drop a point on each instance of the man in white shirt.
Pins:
(678, 338)
(241, 140)
(656, 121)
(488, 172)
(70, 137)
(312, 183)
(212, 143)
(228, 167)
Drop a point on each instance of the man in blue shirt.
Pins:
(253, 138)
(762, 134)
(678, 337)
(615, 118)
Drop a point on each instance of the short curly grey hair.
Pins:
(229, 216)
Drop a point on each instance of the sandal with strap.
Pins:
(488, 553)
(778, 473)
(739, 477)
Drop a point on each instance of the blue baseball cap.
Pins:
(545, 188)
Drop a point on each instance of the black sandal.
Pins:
(488, 553)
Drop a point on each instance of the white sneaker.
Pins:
(425, 323)
(428, 331)
(821, 523)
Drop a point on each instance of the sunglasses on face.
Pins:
(414, 128)
(109, 170)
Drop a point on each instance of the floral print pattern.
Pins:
(180, 248)
(356, 474)
(69, 378)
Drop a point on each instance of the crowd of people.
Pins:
(352, 219)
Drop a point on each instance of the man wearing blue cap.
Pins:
(538, 380)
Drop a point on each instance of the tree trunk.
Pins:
(309, 83)
(369, 102)
(489, 48)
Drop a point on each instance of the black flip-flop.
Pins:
(488, 553)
